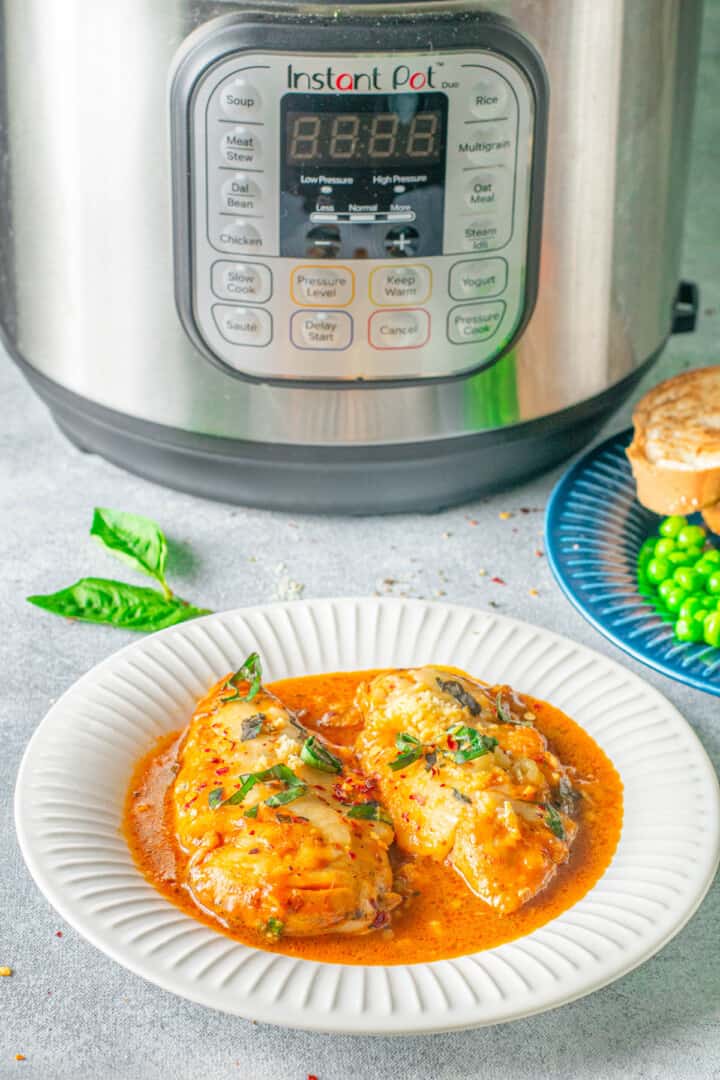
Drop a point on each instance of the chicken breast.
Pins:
(279, 833)
(465, 776)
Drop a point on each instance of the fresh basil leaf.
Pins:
(456, 690)
(136, 540)
(274, 928)
(403, 741)
(471, 744)
(251, 727)
(369, 811)
(250, 672)
(215, 797)
(407, 758)
(317, 755)
(248, 783)
(460, 797)
(554, 822)
(131, 607)
(430, 760)
(296, 791)
(252, 812)
(294, 785)
(504, 714)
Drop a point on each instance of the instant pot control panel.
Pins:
(345, 216)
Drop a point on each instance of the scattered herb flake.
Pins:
(554, 822)
(369, 811)
(274, 927)
(252, 727)
(215, 798)
(317, 755)
(252, 812)
(461, 798)
(456, 690)
(250, 672)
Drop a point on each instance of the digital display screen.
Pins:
(365, 138)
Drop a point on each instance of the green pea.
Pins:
(688, 630)
(712, 555)
(701, 615)
(664, 547)
(657, 570)
(678, 558)
(665, 588)
(688, 578)
(690, 535)
(704, 567)
(713, 583)
(689, 607)
(671, 526)
(711, 629)
(694, 552)
(675, 599)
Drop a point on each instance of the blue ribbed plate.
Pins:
(594, 527)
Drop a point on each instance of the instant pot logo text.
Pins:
(402, 77)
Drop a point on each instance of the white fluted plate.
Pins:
(75, 772)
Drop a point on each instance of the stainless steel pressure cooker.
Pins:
(341, 256)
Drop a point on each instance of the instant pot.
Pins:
(348, 256)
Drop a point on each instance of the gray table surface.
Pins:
(73, 1012)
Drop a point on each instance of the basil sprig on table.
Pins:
(140, 543)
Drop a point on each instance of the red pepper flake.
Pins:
(20, 1057)
(452, 743)
(539, 553)
(215, 760)
(352, 854)
(58, 933)
(221, 772)
(311, 1076)
(381, 919)
(498, 580)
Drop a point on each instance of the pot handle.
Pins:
(685, 308)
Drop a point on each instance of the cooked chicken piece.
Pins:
(467, 777)
(270, 844)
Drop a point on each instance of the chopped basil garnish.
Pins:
(293, 784)
(369, 811)
(504, 714)
(403, 741)
(215, 797)
(253, 811)
(252, 727)
(407, 758)
(554, 822)
(430, 760)
(250, 672)
(316, 754)
(456, 690)
(461, 798)
(471, 744)
(248, 783)
(296, 791)
(274, 927)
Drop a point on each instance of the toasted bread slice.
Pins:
(675, 452)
